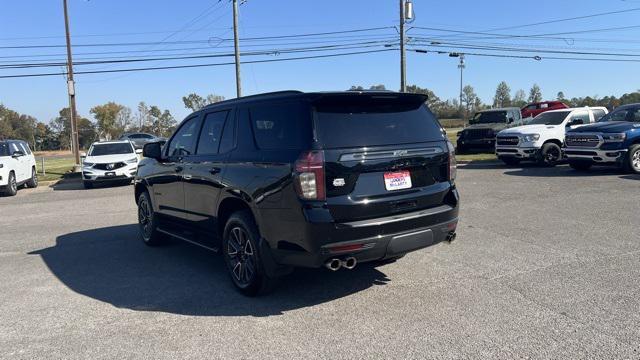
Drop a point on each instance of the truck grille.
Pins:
(508, 140)
(478, 134)
(111, 166)
(582, 140)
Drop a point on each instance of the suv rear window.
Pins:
(375, 123)
(281, 126)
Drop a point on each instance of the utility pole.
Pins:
(72, 93)
(403, 60)
(461, 66)
(237, 47)
(406, 16)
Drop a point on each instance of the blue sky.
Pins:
(43, 97)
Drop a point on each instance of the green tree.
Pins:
(162, 122)
(502, 97)
(560, 96)
(535, 94)
(107, 119)
(377, 87)
(469, 100)
(60, 128)
(356, 88)
(519, 99)
(196, 102)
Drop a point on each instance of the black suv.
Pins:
(290, 179)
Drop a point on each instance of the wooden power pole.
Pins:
(72, 93)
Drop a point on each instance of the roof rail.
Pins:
(274, 93)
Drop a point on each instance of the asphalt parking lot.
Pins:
(546, 265)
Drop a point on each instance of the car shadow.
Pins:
(631, 177)
(559, 171)
(112, 264)
(67, 185)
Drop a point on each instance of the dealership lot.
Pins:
(546, 265)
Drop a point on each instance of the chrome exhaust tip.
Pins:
(350, 263)
(333, 264)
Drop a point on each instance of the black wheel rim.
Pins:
(552, 155)
(144, 218)
(241, 256)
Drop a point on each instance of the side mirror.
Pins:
(152, 150)
(138, 151)
(575, 122)
(17, 154)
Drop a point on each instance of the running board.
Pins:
(186, 239)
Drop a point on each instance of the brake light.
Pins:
(310, 176)
(453, 165)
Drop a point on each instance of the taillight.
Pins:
(310, 176)
(453, 165)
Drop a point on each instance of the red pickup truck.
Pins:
(534, 109)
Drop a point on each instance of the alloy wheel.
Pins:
(144, 218)
(13, 184)
(34, 178)
(241, 256)
(552, 156)
(635, 160)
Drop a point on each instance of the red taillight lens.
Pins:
(453, 165)
(310, 176)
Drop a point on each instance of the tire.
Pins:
(148, 222)
(33, 182)
(632, 160)
(580, 165)
(510, 160)
(12, 185)
(241, 252)
(550, 155)
(87, 184)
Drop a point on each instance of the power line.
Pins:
(197, 65)
(194, 41)
(529, 57)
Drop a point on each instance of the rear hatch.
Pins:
(384, 155)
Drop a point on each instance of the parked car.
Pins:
(139, 139)
(614, 140)
(293, 179)
(485, 124)
(108, 162)
(543, 138)
(534, 109)
(17, 167)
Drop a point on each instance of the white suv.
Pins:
(542, 139)
(110, 161)
(17, 166)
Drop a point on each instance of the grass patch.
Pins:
(55, 168)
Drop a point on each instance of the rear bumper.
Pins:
(371, 239)
(517, 152)
(596, 156)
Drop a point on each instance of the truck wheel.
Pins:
(580, 165)
(550, 154)
(632, 163)
(242, 255)
(510, 160)
(33, 182)
(12, 186)
(148, 222)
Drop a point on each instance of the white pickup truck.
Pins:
(541, 140)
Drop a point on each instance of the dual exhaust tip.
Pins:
(335, 264)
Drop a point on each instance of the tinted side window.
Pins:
(281, 126)
(228, 141)
(211, 131)
(184, 142)
(580, 116)
(25, 146)
(598, 114)
(13, 147)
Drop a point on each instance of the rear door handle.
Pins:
(214, 170)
